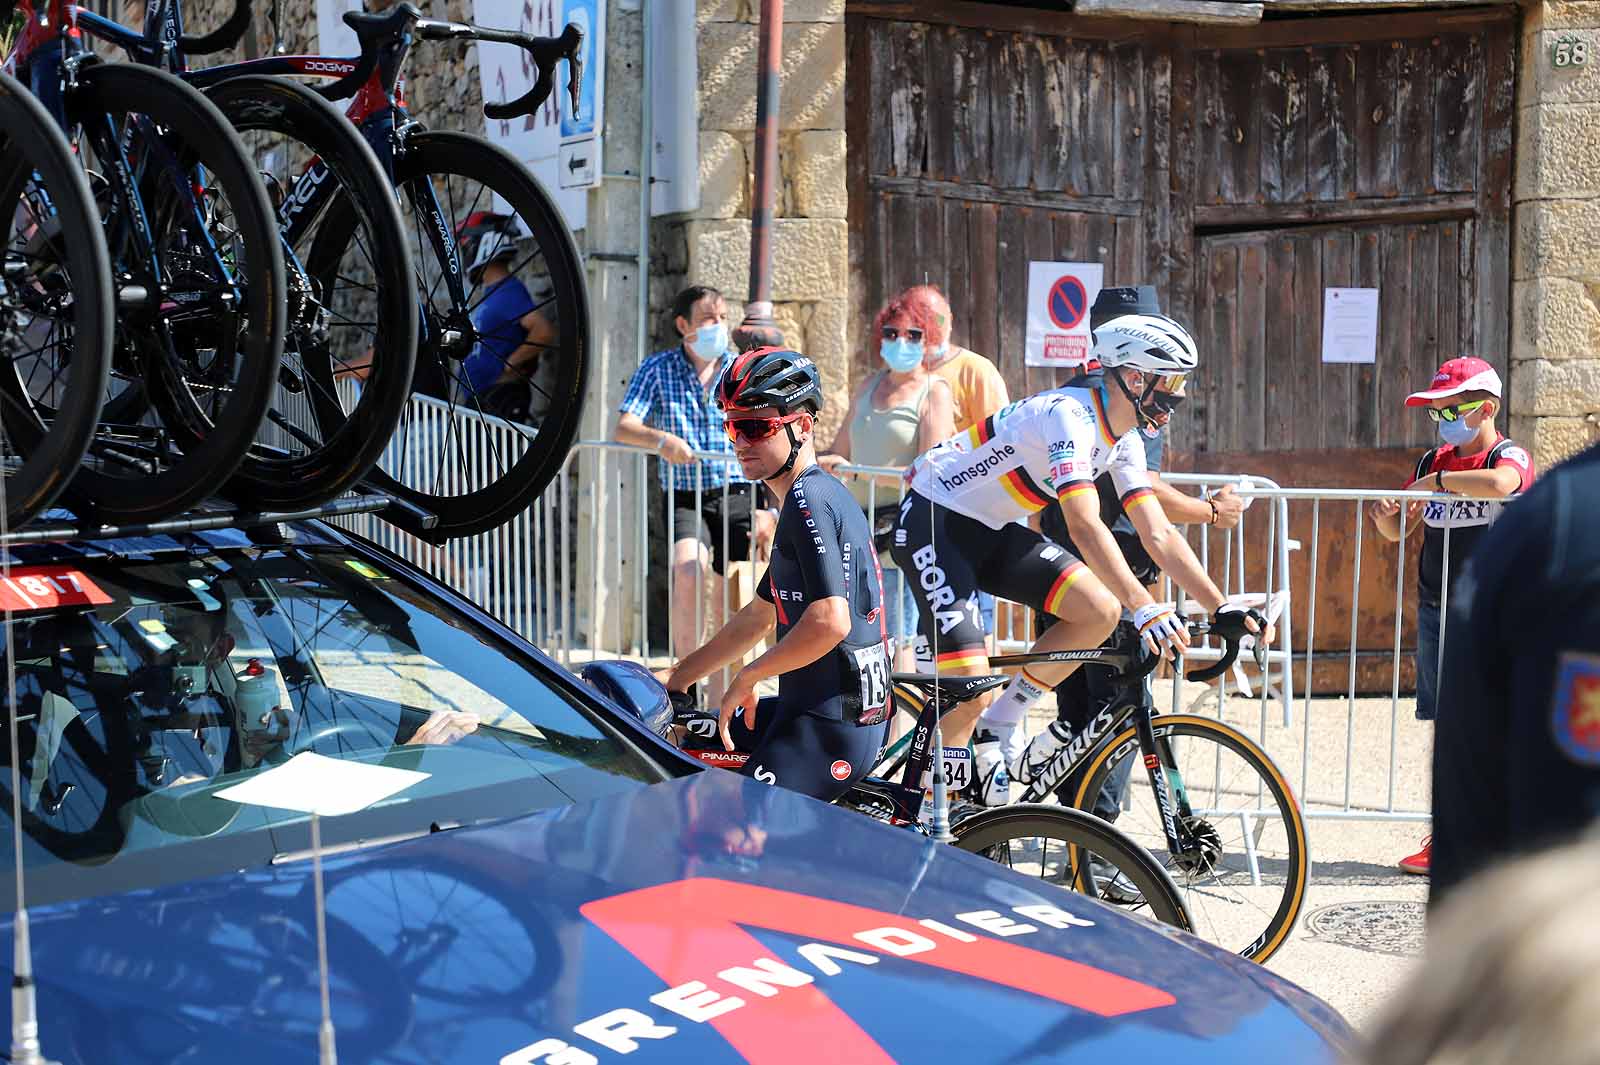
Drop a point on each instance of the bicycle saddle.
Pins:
(393, 21)
(954, 690)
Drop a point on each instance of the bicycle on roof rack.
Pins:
(197, 271)
(1218, 814)
(520, 358)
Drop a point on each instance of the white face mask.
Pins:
(709, 341)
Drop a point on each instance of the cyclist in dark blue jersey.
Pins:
(822, 591)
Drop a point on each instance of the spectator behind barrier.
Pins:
(1475, 462)
(976, 388)
(898, 413)
(670, 408)
(1508, 975)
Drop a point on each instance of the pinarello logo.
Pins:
(840, 770)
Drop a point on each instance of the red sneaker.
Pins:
(1418, 862)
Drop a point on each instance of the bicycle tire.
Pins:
(1083, 834)
(1200, 887)
(426, 160)
(50, 424)
(333, 434)
(210, 444)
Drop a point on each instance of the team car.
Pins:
(515, 868)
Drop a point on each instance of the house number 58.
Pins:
(1569, 51)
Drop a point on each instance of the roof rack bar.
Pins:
(199, 521)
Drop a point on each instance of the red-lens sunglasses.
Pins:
(755, 430)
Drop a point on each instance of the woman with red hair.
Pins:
(975, 382)
(898, 413)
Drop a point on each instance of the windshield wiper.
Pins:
(305, 854)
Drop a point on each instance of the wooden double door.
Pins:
(1240, 171)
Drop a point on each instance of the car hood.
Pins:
(708, 919)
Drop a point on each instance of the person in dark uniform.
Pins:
(1516, 748)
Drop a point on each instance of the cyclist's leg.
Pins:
(1032, 570)
(940, 552)
(817, 754)
(1088, 692)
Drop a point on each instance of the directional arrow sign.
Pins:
(580, 163)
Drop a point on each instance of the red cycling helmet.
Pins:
(770, 377)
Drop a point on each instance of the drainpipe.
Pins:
(758, 328)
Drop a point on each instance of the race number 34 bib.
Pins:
(872, 668)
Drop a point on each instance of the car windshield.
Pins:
(184, 713)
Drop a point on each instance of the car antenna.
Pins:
(326, 1052)
(25, 1049)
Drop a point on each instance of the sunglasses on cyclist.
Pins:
(1460, 410)
(913, 335)
(755, 430)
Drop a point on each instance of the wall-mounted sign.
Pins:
(1349, 325)
(1059, 297)
(1569, 50)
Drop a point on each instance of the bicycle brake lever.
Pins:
(545, 52)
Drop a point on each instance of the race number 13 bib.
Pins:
(872, 668)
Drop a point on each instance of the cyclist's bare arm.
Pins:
(819, 630)
(743, 631)
(1099, 549)
(1172, 553)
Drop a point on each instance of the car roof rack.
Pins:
(44, 530)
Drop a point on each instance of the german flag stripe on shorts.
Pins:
(1137, 497)
(1024, 489)
(1058, 590)
(1073, 489)
(971, 656)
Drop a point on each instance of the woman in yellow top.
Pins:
(898, 413)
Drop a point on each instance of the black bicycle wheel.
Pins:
(352, 324)
(200, 310)
(55, 307)
(1244, 867)
(475, 449)
(1055, 843)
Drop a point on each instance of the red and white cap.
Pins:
(1465, 374)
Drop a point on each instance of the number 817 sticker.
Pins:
(48, 587)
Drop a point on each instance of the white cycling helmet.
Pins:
(1153, 343)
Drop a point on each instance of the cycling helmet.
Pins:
(770, 377)
(1153, 343)
(486, 237)
(1156, 346)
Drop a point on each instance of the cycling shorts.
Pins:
(817, 754)
(952, 557)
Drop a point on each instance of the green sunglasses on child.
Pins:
(1460, 410)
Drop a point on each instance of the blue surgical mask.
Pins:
(901, 354)
(709, 341)
(1457, 432)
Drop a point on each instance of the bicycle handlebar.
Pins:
(225, 36)
(545, 52)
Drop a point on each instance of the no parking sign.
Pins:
(1059, 296)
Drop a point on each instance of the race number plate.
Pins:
(48, 587)
(957, 772)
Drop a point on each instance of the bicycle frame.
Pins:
(47, 55)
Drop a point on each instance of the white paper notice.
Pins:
(1349, 325)
(312, 784)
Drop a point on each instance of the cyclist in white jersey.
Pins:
(961, 530)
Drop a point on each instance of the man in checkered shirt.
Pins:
(670, 408)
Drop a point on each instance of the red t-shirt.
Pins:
(1465, 518)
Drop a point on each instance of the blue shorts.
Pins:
(812, 753)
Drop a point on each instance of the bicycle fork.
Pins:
(1171, 797)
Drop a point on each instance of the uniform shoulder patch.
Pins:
(1575, 707)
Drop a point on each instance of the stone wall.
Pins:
(1555, 345)
(810, 286)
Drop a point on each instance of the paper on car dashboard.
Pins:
(311, 783)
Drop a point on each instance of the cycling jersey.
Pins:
(1031, 453)
(822, 549)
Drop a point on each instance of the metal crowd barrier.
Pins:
(579, 575)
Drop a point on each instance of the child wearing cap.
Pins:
(1473, 466)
